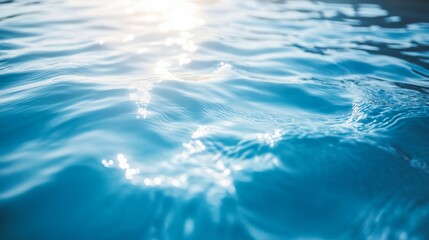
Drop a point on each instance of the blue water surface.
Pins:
(214, 119)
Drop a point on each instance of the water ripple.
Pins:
(183, 119)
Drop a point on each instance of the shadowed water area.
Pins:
(225, 119)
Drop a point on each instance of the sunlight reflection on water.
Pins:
(196, 170)
(140, 118)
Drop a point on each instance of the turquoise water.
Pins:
(214, 119)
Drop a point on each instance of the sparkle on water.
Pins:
(225, 119)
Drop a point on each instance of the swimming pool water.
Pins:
(226, 119)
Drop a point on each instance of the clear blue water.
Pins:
(164, 119)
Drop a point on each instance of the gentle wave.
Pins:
(214, 119)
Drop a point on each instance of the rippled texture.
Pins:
(181, 119)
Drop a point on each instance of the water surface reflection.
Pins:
(218, 119)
